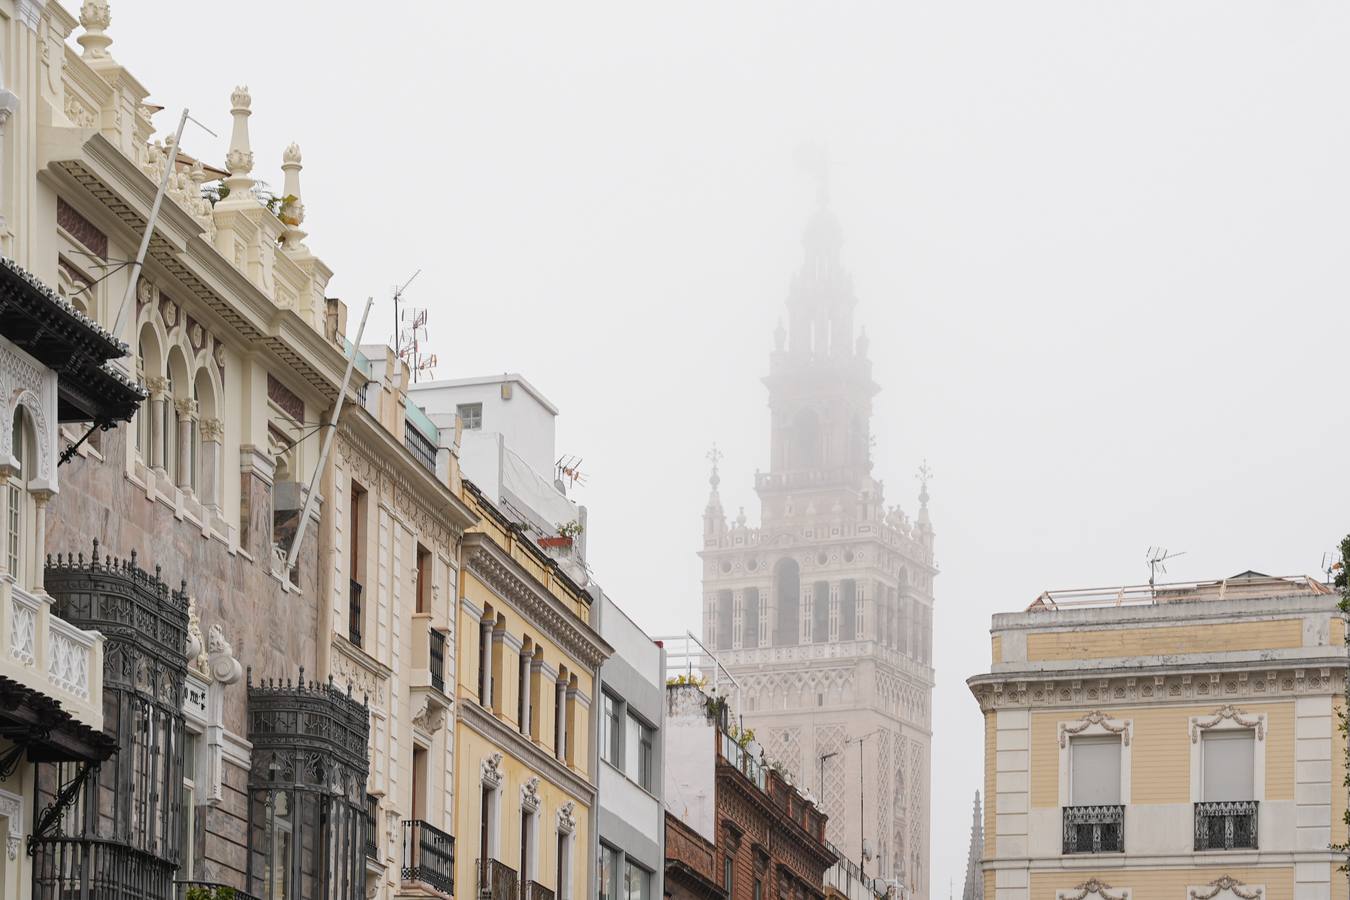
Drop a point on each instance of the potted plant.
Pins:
(566, 532)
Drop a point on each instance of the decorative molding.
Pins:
(1094, 888)
(80, 228)
(529, 794)
(567, 820)
(490, 771)
(287, 400)
(483, 723)
(224, 668)
(1257, 682)
(11, 807)
(404, 492)
(1226, 883)
(196, 643)
(1096, 717)
(429, 716)
(489, 562)
(213, 430)
(1233, 714)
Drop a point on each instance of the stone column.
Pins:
(860, 610)
(765, 623)
(40, 500)
(523, 666)
(159, 393)
(806, 603)
(737, 619)
(560, 713)
(832, 626)
(485, 665)
(208, 478)
(186, 409)
(9, 104)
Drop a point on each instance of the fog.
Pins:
(1099, 249)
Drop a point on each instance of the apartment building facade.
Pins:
(1173, 741)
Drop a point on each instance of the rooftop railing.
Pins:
(1149, 594)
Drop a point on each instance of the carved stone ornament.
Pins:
(224, 667)
(529, 794)
(213, 430)
(1226, 883)
(1094, 888)
(1096, 717)
(11, 807)
(196, 645)
(490, 770)
(1230, 713)
(429, 717)
(567, 817)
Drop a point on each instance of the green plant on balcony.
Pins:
(209, 892)
(697, 681)
(569, 529)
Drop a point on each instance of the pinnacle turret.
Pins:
(974, 889)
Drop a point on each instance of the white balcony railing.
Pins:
(48, 654)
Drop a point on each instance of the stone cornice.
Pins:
(488, 726)
(1251, 683)
(508, 580)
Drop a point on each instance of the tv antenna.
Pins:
(568, 468)
(1157, 562)
(398, 322)
(1331, 564)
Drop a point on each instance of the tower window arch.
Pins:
(787, 590)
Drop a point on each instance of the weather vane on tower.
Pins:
(714, 456)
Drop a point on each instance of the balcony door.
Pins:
(1094, 773)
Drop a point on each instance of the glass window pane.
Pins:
(1228, 765)
(1094, 777)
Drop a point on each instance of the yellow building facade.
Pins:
(1170, 742)
(527, 660)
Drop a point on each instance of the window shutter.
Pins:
(1094, 776)
(1228, 765)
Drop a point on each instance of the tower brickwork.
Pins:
(823, 613)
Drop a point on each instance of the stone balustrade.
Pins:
(42, 651)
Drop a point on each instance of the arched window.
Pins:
(17, 515)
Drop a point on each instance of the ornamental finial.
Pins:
(239, 159)
(95, 18)
(292, 211)
(714, 456)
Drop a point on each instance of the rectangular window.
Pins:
(15, 529)
(187, 821)
(1094, 774)
(560, 876)
(646, 757)
(526, 825)
(423, 579)
(1227, 766)
(471, 414)
(609, 873)
(611, 732)
(419, 783)
(636, 882)
(727, 871)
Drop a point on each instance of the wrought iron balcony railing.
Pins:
(536, 891)
(91, 867)
(1094, 829)
(1225, 825)
(497, 881)
(436, 659)
(372, 822)
(428, 856)
(354, 613)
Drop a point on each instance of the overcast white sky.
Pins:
(1099, 249)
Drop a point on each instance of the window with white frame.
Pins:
(471, 414)
(18, 496)
(1094, 771)
(187, 820)
(611, 731)
(1227, 765)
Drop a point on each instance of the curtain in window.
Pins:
(1094, 775)
(1227, 765)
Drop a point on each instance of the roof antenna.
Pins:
(398, 322)
(1157, 562)
(1331, 563)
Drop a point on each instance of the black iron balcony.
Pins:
(210, 890)
(428, 856)
(497, 881)
(536, 891)
(1225, 825)
(1094, 829)
(436, 659)
(372, 822)
(90, 867)
(422, 448)
(354, 613)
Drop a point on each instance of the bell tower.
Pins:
(823, 611)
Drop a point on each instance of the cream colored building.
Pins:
(1177, 743)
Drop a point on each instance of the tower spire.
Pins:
(714, 520)
(974, 889)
